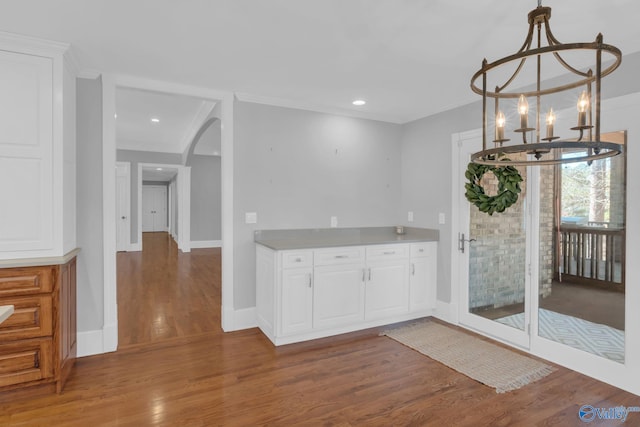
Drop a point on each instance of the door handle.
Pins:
(461, 241)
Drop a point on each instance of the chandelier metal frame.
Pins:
(588, 120)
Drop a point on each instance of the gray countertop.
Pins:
(35, 262)
(332, 237)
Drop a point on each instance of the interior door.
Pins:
(123, 228)
(493, 259)
(154, 208)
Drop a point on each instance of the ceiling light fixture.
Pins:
(359, 102)
(155, 120)
(158, 169)
(547, 149)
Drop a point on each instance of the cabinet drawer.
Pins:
(31, 318)
(25, 361)
(296, 259)
(422, 249)
(382, 252)
(337, 256)
(24, 281)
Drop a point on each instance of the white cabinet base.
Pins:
(315, 293)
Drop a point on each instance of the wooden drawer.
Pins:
(26, 281)
(31, 318)
(387, 252)
(337, 256)
(25, 361)
(295, 259)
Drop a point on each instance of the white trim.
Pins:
(110, 336)
(446, 311)
(245, 318)
(308, 106)
(200, 118)
(227, 142)
(198, 244)
(30, 45)
(89, 343)
(89, 74)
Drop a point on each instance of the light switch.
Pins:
(334, 221)
(410, 216)
(250, 217)
(441, 218)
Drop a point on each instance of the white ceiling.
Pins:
(178, 119)
(407, 58)
(164, 174)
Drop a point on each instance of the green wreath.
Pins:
(509, 180)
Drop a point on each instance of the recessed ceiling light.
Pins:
(155, 120)
(115, 115)
(158, 169)
(359, 102)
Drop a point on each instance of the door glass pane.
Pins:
(497, 259)
(582, 240)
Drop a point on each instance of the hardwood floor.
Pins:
(164, 293)
(176, 374)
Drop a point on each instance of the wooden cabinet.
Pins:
(38, 341)
(314, 293)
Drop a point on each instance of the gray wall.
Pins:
(90, 263)
(297, 168)
(206, 198)
(136, 157)
(426, 177)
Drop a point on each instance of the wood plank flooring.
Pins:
(176, 374)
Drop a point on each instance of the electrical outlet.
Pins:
(441, 218)
(334, 221)
(250, 218)
(410, 216)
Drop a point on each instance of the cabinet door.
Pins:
(297, 300)
(338, 295)
(422, 280)
(387, 292)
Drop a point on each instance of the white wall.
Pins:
(296, 169)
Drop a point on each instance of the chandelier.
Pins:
(571, 76)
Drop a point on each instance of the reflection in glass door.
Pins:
(493, 259)
(582, 254)
(498, 259)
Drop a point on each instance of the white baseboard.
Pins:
(447, 312)
(135, 247)
(198, 244)
(89, 343)
(235, 320)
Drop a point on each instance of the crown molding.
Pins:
(89, 73)
(32, 45)
(287, 103)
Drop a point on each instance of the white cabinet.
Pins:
(314, 293)
(37, 148)
(338, 295)
(297, 300)
(422, 276)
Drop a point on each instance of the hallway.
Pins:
(164, 293)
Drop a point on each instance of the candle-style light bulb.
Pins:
(523, 109)
(500, 122)
(551, 119)
(583, 106)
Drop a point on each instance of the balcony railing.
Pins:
(592, 255)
